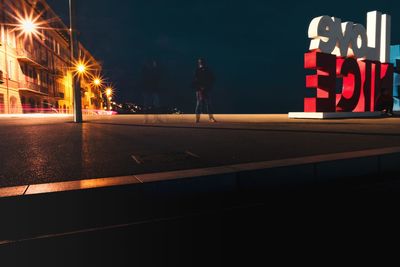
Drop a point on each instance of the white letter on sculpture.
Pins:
(344, 38)
(359, 41)
(385, 39)
(322, 33)
(374, 20)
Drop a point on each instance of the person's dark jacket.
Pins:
(385, 100)
(151, 78)
(203, 80)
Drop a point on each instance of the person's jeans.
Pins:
(203, 103)
(151, 100)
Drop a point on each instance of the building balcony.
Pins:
(1, 77)
(58, 72)
(44, 90)
(31, 58)
(33, 88)
(61, 95)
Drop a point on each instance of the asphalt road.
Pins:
(42, 150)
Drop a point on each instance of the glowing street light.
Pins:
(109, 92)
(28, 26)
(84, 68)
(81, 68)
(97, 82)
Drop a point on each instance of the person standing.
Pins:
(203, 83)
(151, 79)
(385, 102)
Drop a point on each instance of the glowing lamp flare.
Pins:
(97, 82)
(28, 26)
(109, 92)
(81, 68)
(27, 23)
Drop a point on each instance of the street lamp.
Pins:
(28, 23)
(97, 82)
(28, 26)
(81, 68)
(108, 91)
(74, 56)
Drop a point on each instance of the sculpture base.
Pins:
(333, 115)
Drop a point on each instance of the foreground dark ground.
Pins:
(275, 226)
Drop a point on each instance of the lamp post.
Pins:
(97, 84)
(74, 56)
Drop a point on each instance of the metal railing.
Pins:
(33, 56)
(30, 85)
(35, 108)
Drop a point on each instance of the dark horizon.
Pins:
(255, 48)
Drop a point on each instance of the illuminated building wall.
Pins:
(35, 72)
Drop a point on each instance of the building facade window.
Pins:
(11, 38)
(32, 105)
(13, 105)
(2, 107)
(25, 107)
(11, 70)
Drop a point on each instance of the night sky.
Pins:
(255, 48)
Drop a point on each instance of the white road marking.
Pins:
(192, 154)
(120, 226)
(137, 160)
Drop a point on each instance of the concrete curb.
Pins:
(334, 115)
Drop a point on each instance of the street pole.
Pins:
(74, 56)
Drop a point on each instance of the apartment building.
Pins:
(35, 71)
